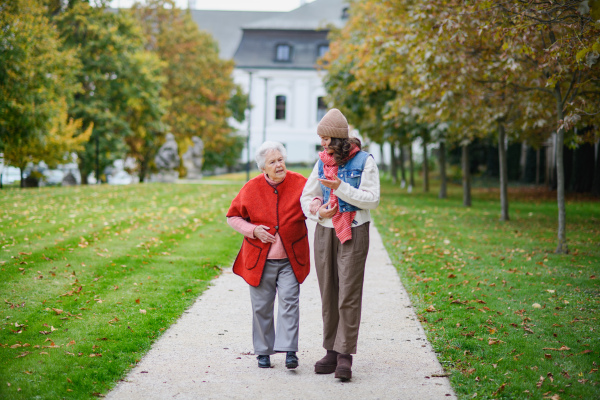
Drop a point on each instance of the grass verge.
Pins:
(508, 318)
(91, 276)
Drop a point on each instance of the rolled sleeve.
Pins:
(242, 226)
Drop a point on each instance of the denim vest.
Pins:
(351, 172)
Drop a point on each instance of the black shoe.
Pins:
(264, 361)
(291, 361)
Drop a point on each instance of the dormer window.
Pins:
(283, 53)
(346, 13)
(322, 49)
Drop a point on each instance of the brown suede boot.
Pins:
(327, 364)
(343, 370)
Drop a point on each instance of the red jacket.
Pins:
(279, 209)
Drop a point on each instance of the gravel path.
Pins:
(207, 354)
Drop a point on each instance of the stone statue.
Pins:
(193, 159)
(167, 160)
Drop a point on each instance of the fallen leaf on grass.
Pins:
(526, 329)
(550, 376)
(45, 332)
(96, 355)
(492, 341)
(536, 305)
(58, 311)
(22, 354)
(71, 343)
(143, 312)
(501, 388)
(112, 321)
(562, 348)
(548, 356)
(540, 382)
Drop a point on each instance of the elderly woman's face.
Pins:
(325, 141)
(275, 166)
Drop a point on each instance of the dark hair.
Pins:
(341, 148)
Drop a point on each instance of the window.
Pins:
(321, 108)
(280, 108)
(345, 13)
(283, 52)
(322, 49)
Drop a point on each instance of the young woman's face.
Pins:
(325, 141)
(275, 166)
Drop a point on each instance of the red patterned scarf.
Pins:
(342, 222)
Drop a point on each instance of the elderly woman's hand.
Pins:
(260, 232)
(326, 212)
(314, 206)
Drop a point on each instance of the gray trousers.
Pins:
(341, 270)
(278, 277)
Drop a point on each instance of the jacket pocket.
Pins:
(251, 254)
(353, 176)
(301, 250)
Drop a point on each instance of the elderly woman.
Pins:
(274, 257)
(342, 188)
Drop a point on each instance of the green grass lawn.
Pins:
(92, 276)
(509, 318)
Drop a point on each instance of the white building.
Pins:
(276, 57)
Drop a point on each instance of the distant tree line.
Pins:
(83, 79)
(461, 72)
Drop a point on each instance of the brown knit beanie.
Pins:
(333, 124)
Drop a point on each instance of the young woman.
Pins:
(342, 188)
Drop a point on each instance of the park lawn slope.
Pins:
(92, 276)
(508, 318)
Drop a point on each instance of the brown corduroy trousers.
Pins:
(341, 270)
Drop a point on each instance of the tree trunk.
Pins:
(442, 160)
(596, 181)
(503, 172)
(560, 179)
(394, 163)
(537, 165)
(143, 170)
(523, 162)
(22, 183)
(402, 169)
(381, 153)
(466, 176)
(425, 167)
(411, 168)
(84, 174)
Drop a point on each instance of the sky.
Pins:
(245, 5)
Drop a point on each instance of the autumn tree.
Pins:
(109, 46)
(560, 42)
(37, 80)
(199, 87)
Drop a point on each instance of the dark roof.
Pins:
(310, 16)
(225, 26)
(258, 47)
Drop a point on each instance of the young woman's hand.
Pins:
(334, 184)
(327, 212)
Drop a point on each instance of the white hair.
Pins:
(264, 149)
